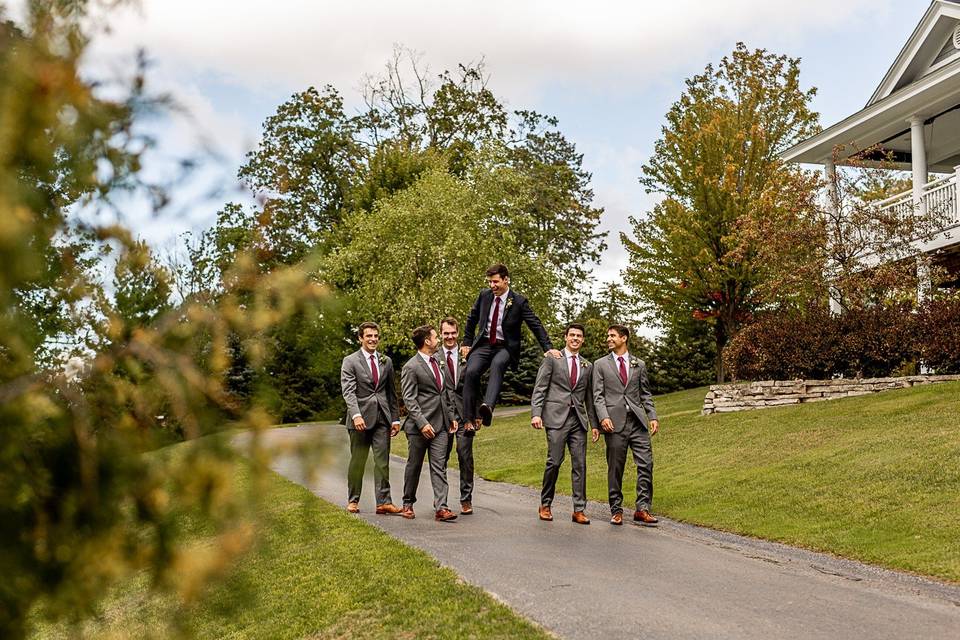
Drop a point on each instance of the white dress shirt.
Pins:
(503, 307)
(626, 362)
(566, 356)
(454, 359)
(375, 365)
(428, 359)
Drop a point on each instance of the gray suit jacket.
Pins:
(448, 379)
(613, 400)
(424, 402)
(552, 396)
(356, 384)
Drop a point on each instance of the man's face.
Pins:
(498, 284)
(431, 342)
(614, 340)
(370, 339)
(450, 335)
(574, 340)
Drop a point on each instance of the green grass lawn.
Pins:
(317, 572)
(876, 478)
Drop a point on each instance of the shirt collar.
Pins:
(425, 357)
(616, 358)
(567, 355)
(366, 355)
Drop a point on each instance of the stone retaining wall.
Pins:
(724, 398)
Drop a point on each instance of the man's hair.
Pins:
(367, 325)
(575, 325)
(420, 335)
(621, 330)
(498, 270)
(450, 320)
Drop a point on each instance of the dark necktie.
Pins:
(623, 371)
(453, 372)
(373, 370)
(436, 373)
(573, 371)
(493, 322)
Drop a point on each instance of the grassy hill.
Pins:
(876, 478)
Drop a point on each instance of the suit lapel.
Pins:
(365, 363)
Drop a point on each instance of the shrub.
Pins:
(784, 347)
(938, 334)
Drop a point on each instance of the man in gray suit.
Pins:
(626, 415)
(366, 380)
(431, 419)
(561, 403)
(454, 370)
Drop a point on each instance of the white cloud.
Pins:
(527, 44)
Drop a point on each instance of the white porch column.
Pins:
(924, 283)
(830, 173)
(956, 197)
(918, 160)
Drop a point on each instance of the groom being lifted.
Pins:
(491, 341)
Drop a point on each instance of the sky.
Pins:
(608, 70)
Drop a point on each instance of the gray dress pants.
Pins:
(378, 438)
(571, 434)
(436, 451)
(636, 438)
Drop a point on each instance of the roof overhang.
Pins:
(883, 120)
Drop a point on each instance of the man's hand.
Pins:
(536, 422)
(394, 429)
(654, 427)
(454, 425)
(477, 423)
(428, 432)
(464, 351)
(359, 424)
(607, 425)
(594, 434)
(553, 352)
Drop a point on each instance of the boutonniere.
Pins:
(634, 362)
(382, 359)
(584, 364)
(509, 304)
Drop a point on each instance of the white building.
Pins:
(913, 117)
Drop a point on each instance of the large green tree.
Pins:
(698, 253)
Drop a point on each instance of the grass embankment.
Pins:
(876, 478)
(316, 572)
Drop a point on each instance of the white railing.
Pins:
(938, 202)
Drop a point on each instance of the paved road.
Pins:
(672, 581)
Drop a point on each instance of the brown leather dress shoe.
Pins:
(407, 512)
(445, 515)
(580, 517)
(643, 517)
(545, 512)
(353, 507)
(466, 509)
(388, 509)
(617, 518)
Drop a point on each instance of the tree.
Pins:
(696, 255)
(421, 253)
(85, 501)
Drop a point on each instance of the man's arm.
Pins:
(588, 396)
(599, 404)
(646, 397)
(536, 326)
(409, 387)
(348, 387)
(540, 387)
(471, 326)
(392, 394)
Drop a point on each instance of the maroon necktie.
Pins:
(376, 376)
(493, 322)
(436, 373)
(453, 372)
(623, 372)
(573, 371)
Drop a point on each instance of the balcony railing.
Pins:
(938, 202)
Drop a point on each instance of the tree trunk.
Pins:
(720, 340)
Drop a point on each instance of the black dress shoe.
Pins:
(486, 414)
